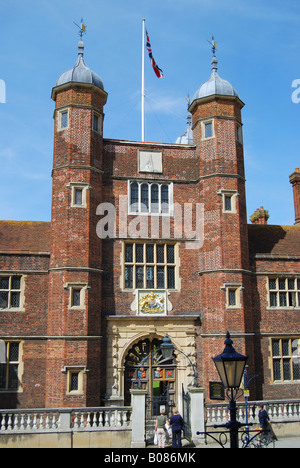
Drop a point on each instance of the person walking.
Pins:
(265, 424)
(176, 422)
(160, 428)
(263, 418)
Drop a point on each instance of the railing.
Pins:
(65, 420)
(278, 410)
(119, 418)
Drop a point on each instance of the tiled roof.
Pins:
(24, 236)
(34, 236)
(274, 240)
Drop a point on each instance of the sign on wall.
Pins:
(150, 161)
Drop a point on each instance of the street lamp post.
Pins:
(230, 366)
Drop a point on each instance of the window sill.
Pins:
(2, 390)
(285, 382)
(142, 213)
(13, 309)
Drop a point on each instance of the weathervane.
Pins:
(82, 28)
(188, 100)
(213, 44)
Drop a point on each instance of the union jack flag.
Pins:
(158, 71)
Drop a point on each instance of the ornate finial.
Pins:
(214, 62)
(213, 45)
(82, 28)
(188, 100)
(189, 116)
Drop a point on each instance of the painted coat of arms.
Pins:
(151, 302)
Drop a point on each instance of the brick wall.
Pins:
(57, 337)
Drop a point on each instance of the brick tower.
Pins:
(74, 322)
(224, 258)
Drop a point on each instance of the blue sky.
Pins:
(258, 52)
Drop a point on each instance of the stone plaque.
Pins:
(150, 161)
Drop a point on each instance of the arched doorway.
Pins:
(146, 368)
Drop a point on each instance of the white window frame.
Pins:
(233, 194)
(78, 186)
(82, 287)
(59, 119)
(294, 354)
(203, 129)
(99, 127)
(237, 288)
(149, 212)
(69, 370)
(10, 291)
(155, 264)
(288, 292)
(9, 363)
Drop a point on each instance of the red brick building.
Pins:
(146, 239)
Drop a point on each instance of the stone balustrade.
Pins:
(55, 420)
(279, 411)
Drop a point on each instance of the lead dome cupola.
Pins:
(80, 73)
(215, 85)
(187, 137)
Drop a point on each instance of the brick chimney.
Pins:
(260, 216)
(295, 181)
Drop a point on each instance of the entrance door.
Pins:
(145, 368)
(160, 398)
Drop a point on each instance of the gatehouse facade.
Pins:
(146, 240)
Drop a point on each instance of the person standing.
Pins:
(176, 422)
(160, 429)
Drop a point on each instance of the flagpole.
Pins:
(143, 82)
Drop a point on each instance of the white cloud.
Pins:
(163, 104)
(7, 153)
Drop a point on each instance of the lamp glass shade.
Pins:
(231, 372)
(167, 348)
(230, 365)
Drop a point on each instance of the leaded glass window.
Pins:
(10, 292)
(286, 359)
(284, 292)
(150, 197)
(9, 378)
(149, 266)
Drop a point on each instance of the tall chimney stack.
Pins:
(260, 216)
(295, 181)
